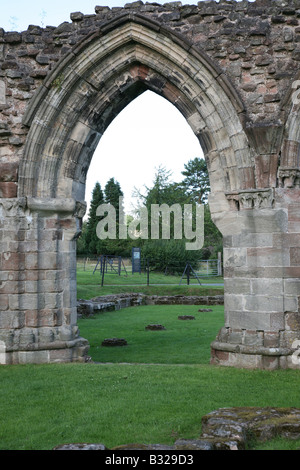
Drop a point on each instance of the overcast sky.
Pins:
(148, 133)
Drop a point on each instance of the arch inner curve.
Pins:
(99, 78)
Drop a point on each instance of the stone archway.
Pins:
(66, 117)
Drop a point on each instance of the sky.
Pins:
(150, 132)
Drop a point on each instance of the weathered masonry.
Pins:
(233, 70)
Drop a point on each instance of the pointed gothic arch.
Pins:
(100, 77)
(66, 118)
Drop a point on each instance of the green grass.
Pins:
(182, 342)
(47, 405)
(278, 443)
(89, 284)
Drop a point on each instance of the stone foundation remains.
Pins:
(225, 429)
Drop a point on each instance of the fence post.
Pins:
(148, 272)
(103, 270)
(188, 275)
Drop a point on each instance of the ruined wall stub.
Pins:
(232, 69)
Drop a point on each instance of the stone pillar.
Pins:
(38, 281)
(262, 280)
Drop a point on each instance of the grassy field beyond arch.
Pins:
(182, 341)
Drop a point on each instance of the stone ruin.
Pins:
(186, 317)
(224, 429)
(112, 342)
(232, 69)
(154, 327)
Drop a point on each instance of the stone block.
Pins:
(286, 240)
(292, 271)
(61, 355)
(265, 137)
(9, 171)
(271, 339)
(291, 303)
(295, 256)
(234, 257)
(8, 190)
(11, 320)
(32, 357)
(31, 261)
(271, 287)
(292, 321)
(237, 286)
(262, 221)
(294, 213)
(219, 357)
(253, 320)
(289, 154)
(235, 337)
(12, 287)
(264, 303)
(292, 286)
(233, 301)
(268, 256)
(266, 170)
(252, 240)
(49, 260)
(253, 338)
(270, 363)
(53, 300)
(2, 93)
(12, 261)
(244, 361)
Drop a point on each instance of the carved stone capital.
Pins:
(289, 177)
(251, 199)
(11, 207)
(80, 209)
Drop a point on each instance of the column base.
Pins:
(55, 352)
(253, 357)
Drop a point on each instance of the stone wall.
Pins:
(232, 69)
(106, 303)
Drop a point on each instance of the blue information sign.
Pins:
(136, 260)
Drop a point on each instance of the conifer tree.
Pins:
(91, 235)
(196, 181)
(113, 192)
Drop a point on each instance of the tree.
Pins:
(163, 191)
(167, 253)
(113, 193)
(196, 181)
(91, 239)
(197, 184)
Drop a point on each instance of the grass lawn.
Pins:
(182, 341)
(89, 284)
(47, 405)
